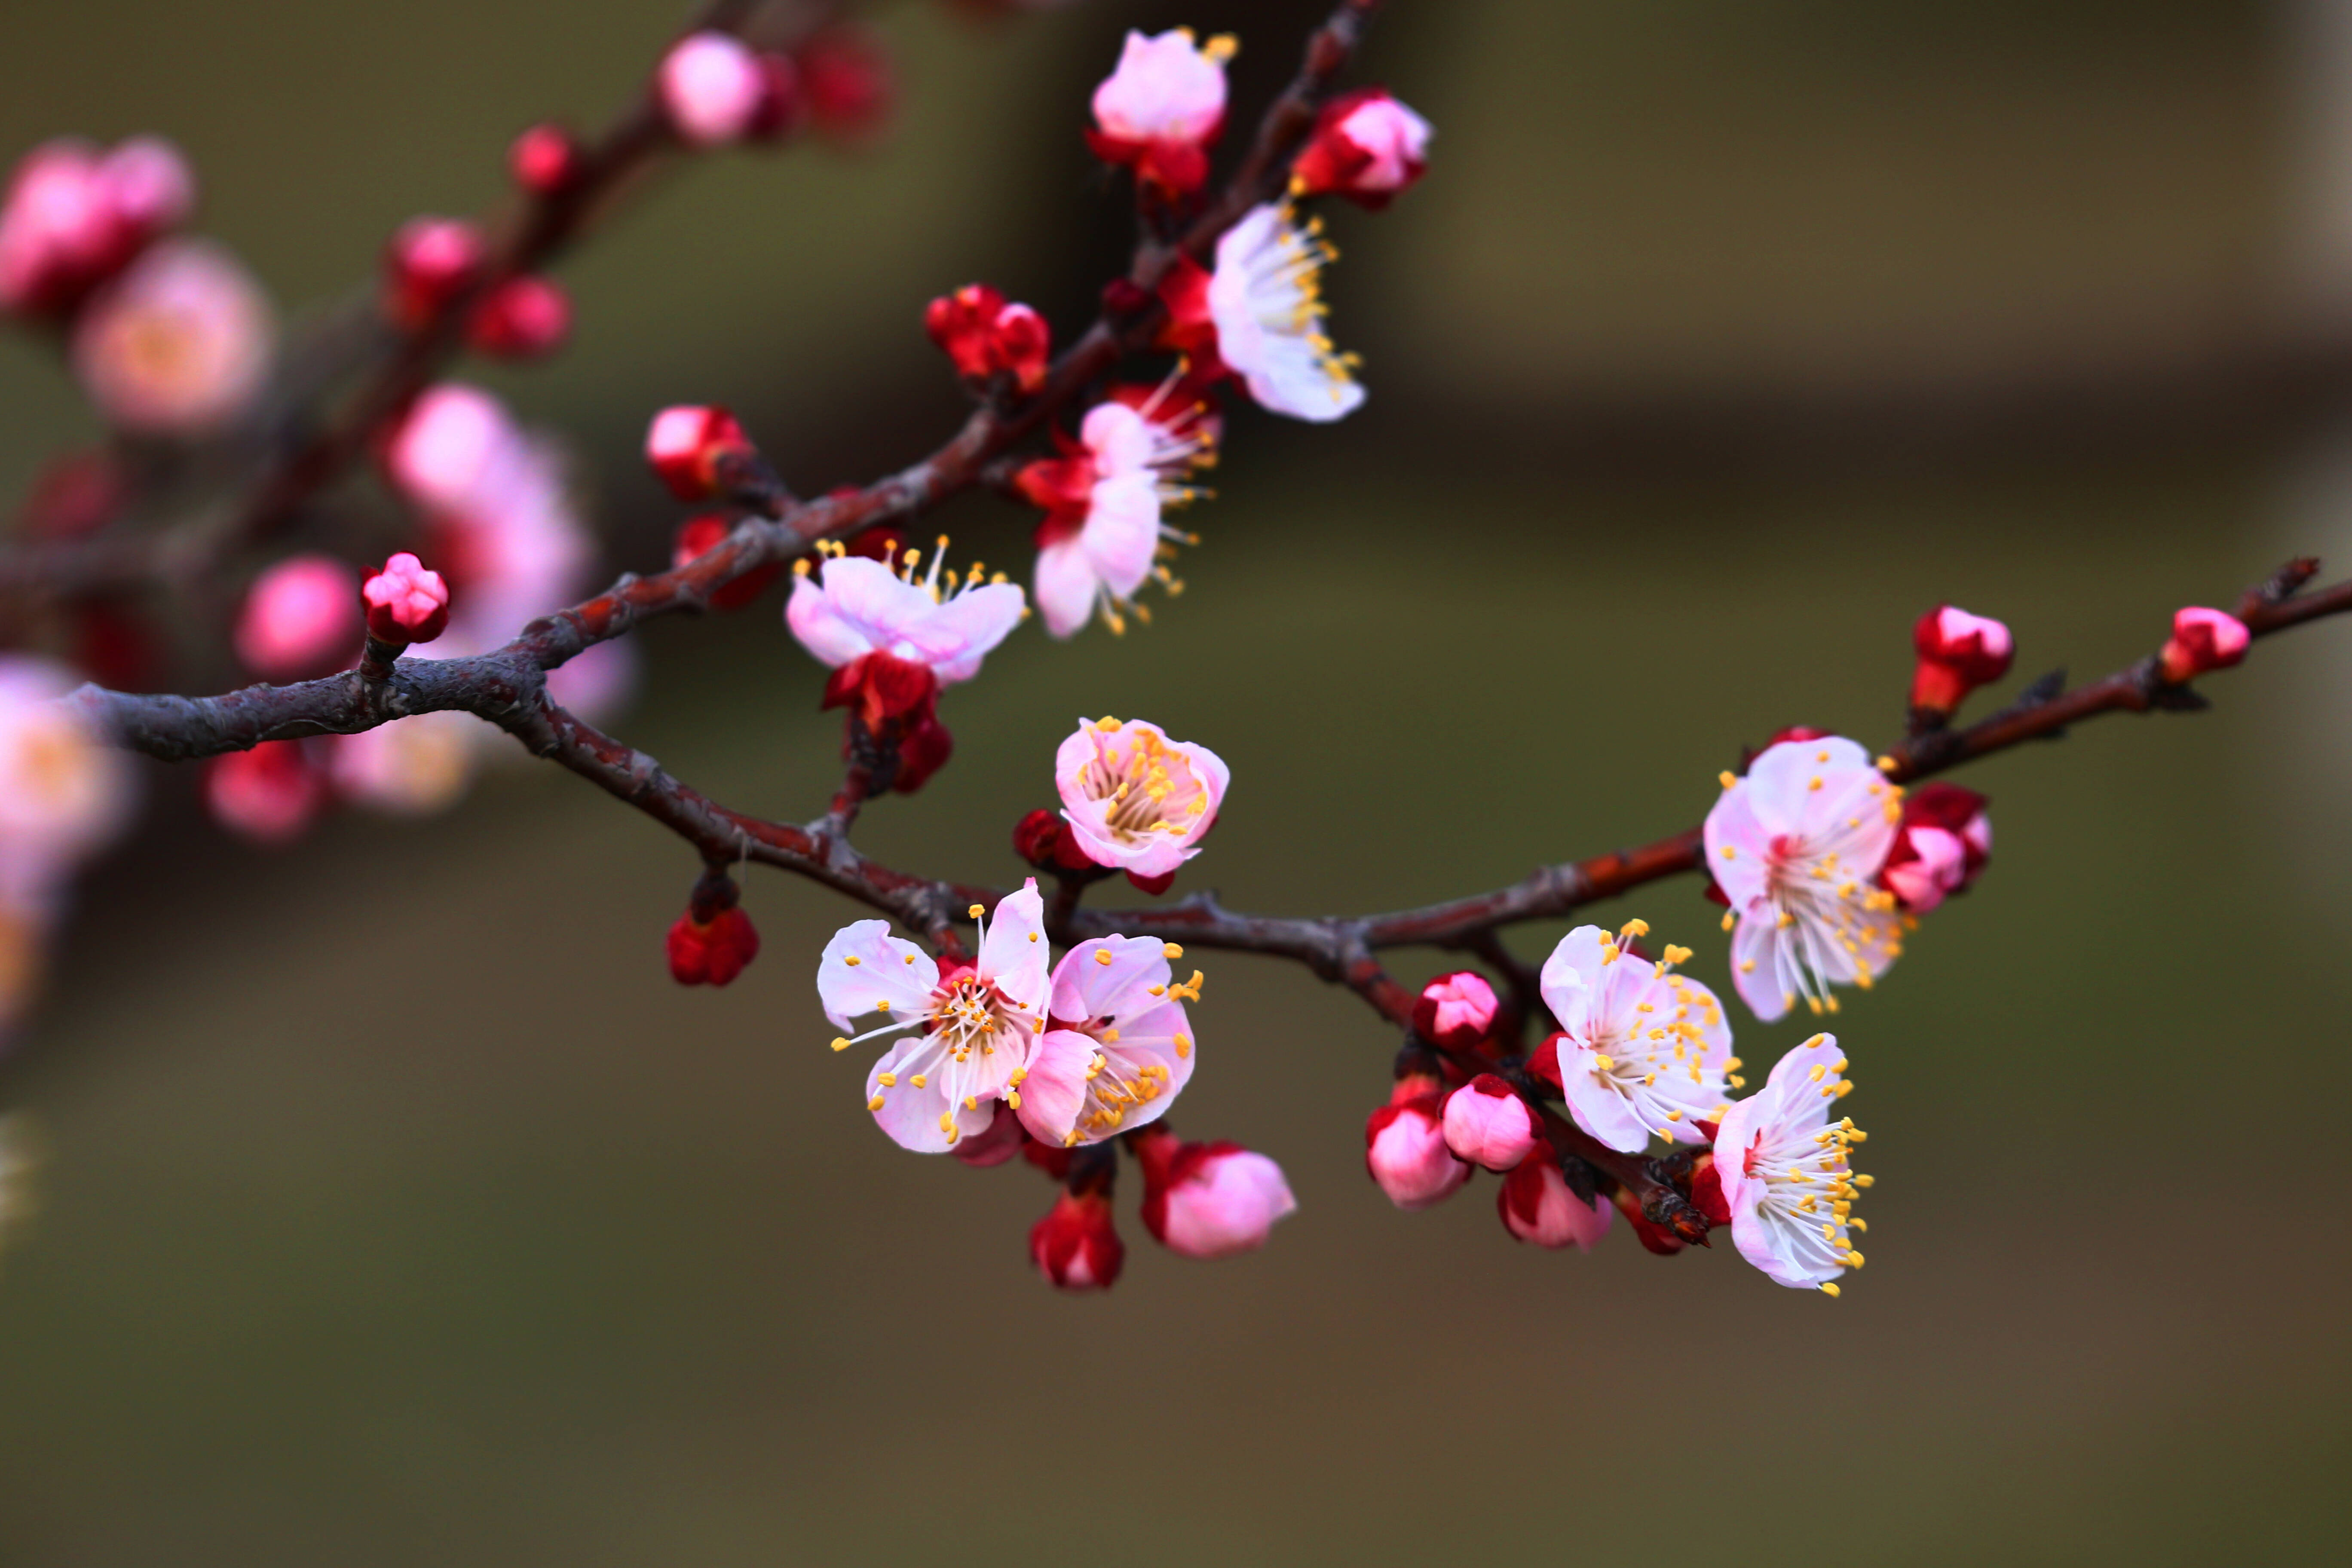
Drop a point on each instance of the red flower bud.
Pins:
(1958, 653)
(1488, 1124)
(545, 160)
(430, 262)
(270, 793)
(1455, 1011)
(697, 535)
(405, 603)
(1044, 840)
(985, 336)
(1535, 1205)
(845, 77)
(711, 952)
(1404, 1146)
(2202, 639)
(1076, 1246)
(1366, 146)
(685, 444)
(522, 318)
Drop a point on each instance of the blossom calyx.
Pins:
(1958, 653)
(688, 443)
(1456, 1011)
(2201, 639)
(985, 336)
(1209, 1200)
(1044, 840)
(1365, 146)
(1076, 1246)
(1405, 1152)
(1488, 1124)
(406, 603)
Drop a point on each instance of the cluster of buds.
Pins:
(75, 216)
(433, 265)
(986, 336)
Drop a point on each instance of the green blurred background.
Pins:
(402, 1210)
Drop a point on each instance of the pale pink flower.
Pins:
(1367, 146)
(1118, 1047)
(1488, 1124)
(179, 344)
(1210, 1200)
(1642, 1049)
(1404, 1146)
(300, 618)
(1784, 1168)
(269, 794)
(64, 791)
(1796, 845)
(1103, 530)
(1135, 799)
(852, 606)
(411, 767)
(713, 88)
(978, 1027)
(1266, 298)
(1161, 106)
(1535, 1205)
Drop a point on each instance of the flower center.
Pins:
(1151, 789)
(968, 1014)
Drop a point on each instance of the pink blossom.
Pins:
(1160, 107)
(1488, 1124)
(269, 794)
(1404, 1146)
(1117, 1049)
(1455, 1011)
(1367, 146)
(1957, 652)
(1266, 299)
(75, 216)
(852, 606)
(64, 791)
(522, 318)
(405, 602)
(1642, 1049)
(713, 88)
(1103, 502)
(1209, 1200)
(1535, 1205)
(1796, 845)
(1076, 1246)
(1784, 1171)
(300, 618)
(2202, 639)
(179, 346)
(978, 1027)
(413, 767)
(428, 264)
(1135, 799)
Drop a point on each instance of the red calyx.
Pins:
(881, 686)
(1657, 1238)
(1706, 1191)
(1167, 169)
(522, 318)
(1543, 1062)
(713, 951)
(1167, 1163)
(1044, 840)
(1190, 329)
(985, 336)
(1332, 161)
(1076, 1246)
(1152, 886)
(696, 536)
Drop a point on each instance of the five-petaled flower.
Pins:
(1161, 108)
(1135, 799)
(1102, 534)
(1367, 147)
(976, 1025)
(1784, 1167)
(1796, 845)
(1259, 316)
(1642, 1049)
(1118, 1047)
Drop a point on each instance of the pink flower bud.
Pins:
(685, 444)
(429, 262)
(1405, 1147)
(1456, 1010)
(2202, 639)
(1366, 146)
(406, 603)
(148, 189)
(73, 219)
(1209, 1200)
(299, 618)
(1076, 1246)
(712, 952)
(522, 318)
(545, 160)
(179, 346)
(713, 87)
(1488, 1124)
(1958, 653)
(1537, 1206)
(454, 449)
(845, 75)
(1158, 111)
(269, 794)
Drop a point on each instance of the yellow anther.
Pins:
(1013, 1099)
(977, 911)
(1887, 764)
(840, 1043)
(888, 1080)
(972, 1103)
(874, 1103)
(1726, 778)
(1729, 920)
(1677, 954)
(1818, 1071)
(1632, 928)
(1730, 852)
(1863, 1180)
(1606, 1063)
(947, 1121)
(1814, 783)
(852, 961)
(918, 1081)
(801, 567)
(1102, 956)
(1829, 1289)
(1183, 1047)
(883, 1005)
(1107, 725)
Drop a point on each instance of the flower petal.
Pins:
(864, 966)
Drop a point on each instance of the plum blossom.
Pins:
(1405, 1152)
(405, 602)
(1162, 107)
(1642, 1049)
(64, 791)
(852, 609)
(1537, 1206)
(1209, 1200)
(74, 217)
(1367, 147)
(1103, 530)
(1957, 652)
(413, 767)
(1796, 845)
(1785, 1173)
(1135, 799)
(179, 344)
(1266, 301)
(1488, 1124)
(301, 617)
(1942, 846)
(977, 1026)
(1118, 1047)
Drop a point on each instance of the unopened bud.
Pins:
(711, 952)
(1366, 146)
(270, 793)
(1405, 1147)
(1455, 1011)
(430, 262)
(697, 535)
(1941, 845)
(716, 91)
(545, 160)
(522, 318)
(1209, 1200)
(1488, 1124)
(1044, 840)
(1958, 653)
(405, 603)
(299, 618)
(685, 444)
(2202, 639)
(1076, 1246)
(1537, 1206)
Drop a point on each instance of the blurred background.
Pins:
(400, 1209)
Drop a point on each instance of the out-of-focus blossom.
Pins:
(1117, 1048)
(179, 344)
(545, 159)
(1135, 799)
(300, 618)
(1158, 111)
(1940, 848)
(976, 1025)
(1076, 1246)
(405, 602)
(716, 89)
(1796, 845)
(1488, 1124)
(1537, 1206)
(74, 217)
(1454, 1011)
(522, 318)
(1103, 497)
(1642, 1049)
(985, 335)
(269, 794)
(712, 952)
(1209, 1200)
(893, 640)
(696, 536)
(1265, 298)
(1785, 1176)
(1404, 1145)
(1367, 147)
(2202, 639)
(64, 791)
(685, 444)
(1958, 653)
(411, 767)
(844, 79)
(428, 264)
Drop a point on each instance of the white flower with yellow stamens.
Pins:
(1119, 1048)
(1643, 1050)
(1266, 298)
(1786, 1174)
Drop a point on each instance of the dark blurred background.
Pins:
(402, 1210)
